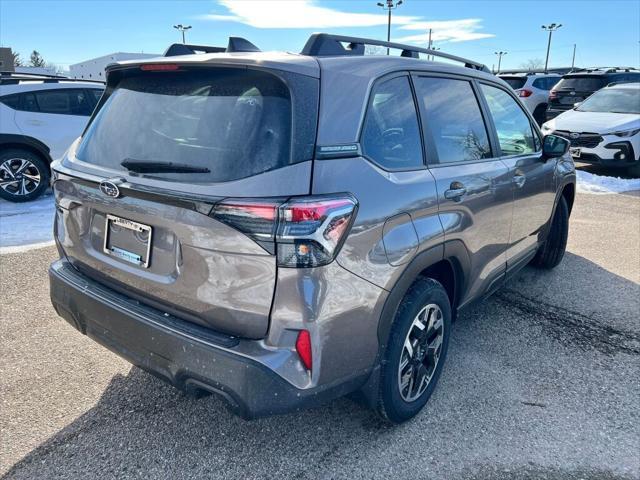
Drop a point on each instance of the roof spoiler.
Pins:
(325, 44)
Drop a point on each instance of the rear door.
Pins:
(54, 116)
(193, 165)
(532, 177)
(474, 189)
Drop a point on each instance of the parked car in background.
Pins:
(533, 90)
(577, 86)
(303, 227)
(39, 118)
(605, 128)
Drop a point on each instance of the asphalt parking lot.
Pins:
(542, 382)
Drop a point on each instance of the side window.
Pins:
(29, 103)
(64, 102)
(390, 135)
(514, 130)
(453, 117)
(540, 83)
(11, 101)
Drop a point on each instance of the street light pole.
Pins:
(182, 29)
(389, 5)
(573, 59)
(550, 28)
(500, 54)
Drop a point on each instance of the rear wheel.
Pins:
(550, 253)
(24, 175)
(416, 352)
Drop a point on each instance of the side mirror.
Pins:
(554, 146)
(577, 104)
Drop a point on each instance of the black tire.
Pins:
(550, 253)
(391, 405)
(540, 114)
(26, 188)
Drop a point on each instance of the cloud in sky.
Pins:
(309, 14)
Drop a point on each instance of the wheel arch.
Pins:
(26, 142)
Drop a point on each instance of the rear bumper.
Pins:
(188, 357)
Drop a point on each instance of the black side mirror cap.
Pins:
(554, 146)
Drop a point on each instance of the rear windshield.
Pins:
(226, 123)
(515, 82)
(581, 84)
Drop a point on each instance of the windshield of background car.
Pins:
(581, 84)
(233, 122)
(621, 100)
(515, 82)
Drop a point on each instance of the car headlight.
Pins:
(626, 133)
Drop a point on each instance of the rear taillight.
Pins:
(553, 94)
(524, 92)
(159, 67)
(307, 231)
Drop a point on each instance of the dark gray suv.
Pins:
(282, 229)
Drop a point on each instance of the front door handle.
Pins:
(519, 180)
(456, 191)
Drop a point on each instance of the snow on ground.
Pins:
(590, 183)
(26, 225)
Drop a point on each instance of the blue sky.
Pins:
(70, 31)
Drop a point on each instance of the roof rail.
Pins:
(14, 78)
(236, 44)
(326, 44)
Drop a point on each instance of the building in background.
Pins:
(94, 69)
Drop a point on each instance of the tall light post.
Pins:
(550, 28)
(388, 6)
(500, 55)
(182, 28)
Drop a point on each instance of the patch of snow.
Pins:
(24, 224)
(590, 183)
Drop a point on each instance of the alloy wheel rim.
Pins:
(19, 176)
(420, 352)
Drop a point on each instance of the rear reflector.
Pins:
(307, 231)
(159, 67)
(553, 94)
(303, 347)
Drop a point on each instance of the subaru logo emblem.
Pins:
(574, 135)
(110, 189)
(572, 93)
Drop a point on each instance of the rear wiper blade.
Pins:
(141, 166)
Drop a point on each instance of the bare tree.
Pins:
(17, 61)
(36, 59)
(533, 64)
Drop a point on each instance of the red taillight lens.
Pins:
(308, 231)
(553, 94)
(159, 67)
(303, 347)
(524, 93)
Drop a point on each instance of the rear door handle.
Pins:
(519, 180)
(456, 191)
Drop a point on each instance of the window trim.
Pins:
(361, 128)
(535, 130)
(65, 90)
(429, 138)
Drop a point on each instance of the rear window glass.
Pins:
(225, 123)
(589, 84)
(515, 82)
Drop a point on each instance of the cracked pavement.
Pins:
(542, 382)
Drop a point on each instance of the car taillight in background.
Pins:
(524, 92)
(553, 94)
(307, 231)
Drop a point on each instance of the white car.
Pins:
(605, 128)
(533, 90)
(39, 118)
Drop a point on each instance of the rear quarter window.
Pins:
(588, 84)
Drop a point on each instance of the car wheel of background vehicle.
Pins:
(539, 114)
(23, 175)
(550, 253)
(416, 351)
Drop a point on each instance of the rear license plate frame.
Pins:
(121, 253)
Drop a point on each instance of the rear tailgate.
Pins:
(192, 140)
(574, 89)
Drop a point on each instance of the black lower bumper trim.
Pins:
(183, 358)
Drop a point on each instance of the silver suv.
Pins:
(283, 229)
